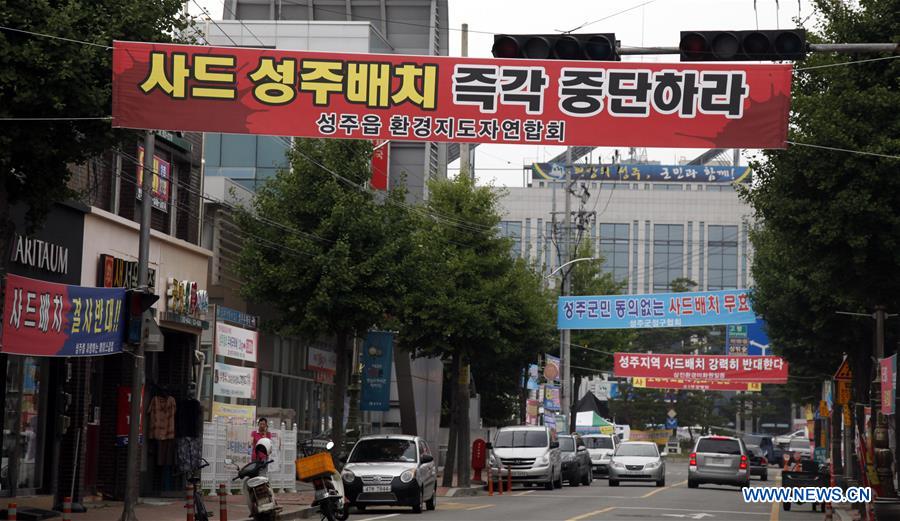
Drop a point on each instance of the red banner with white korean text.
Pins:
(695, 385)
(758, 369)
(449, 99)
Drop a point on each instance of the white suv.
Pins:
(531, 453)
(601, 448)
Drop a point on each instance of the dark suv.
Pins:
(576, 460)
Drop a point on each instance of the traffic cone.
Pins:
(67, 509)
(11, 512)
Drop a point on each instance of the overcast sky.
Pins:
(635, 23)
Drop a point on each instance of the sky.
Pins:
(635, 23)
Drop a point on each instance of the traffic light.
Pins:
(600, 47)
(704, 46)
(136, 303)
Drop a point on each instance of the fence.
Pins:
(226, 438)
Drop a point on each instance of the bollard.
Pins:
(189, 502)
(67, 509)
(223, 503)
(509, 480)
(11, 512)
(490, 481)
(500, 480)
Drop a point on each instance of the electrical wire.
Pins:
(230, 39)
(854, 62)
(44, 35)
(836, 149)
(617, 13)
(51, 118)
(225, 5)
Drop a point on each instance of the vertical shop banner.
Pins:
(532, 378)
(234, 382)
(159, 186)
(888, 384)
(49, 319)
(236, 342)
(123, 416)
(699, 308)
(551, 398)
(381, 162)
(744, 369)
(449, 99)
(377, 358)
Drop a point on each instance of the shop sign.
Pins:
(162, 174)
(234, 382)
(49, 319)
(888, 384)
(120, 273)
(761, 369)
(655, 310)
(123, 417)
(184, 297)
(40, 254)
(236, 342)
(551, 398)
(449, 99)
(323, 363)
(239, 413)
(532, 378)
(234, 316)
(377, 359)
(184, 320)
(551, 368)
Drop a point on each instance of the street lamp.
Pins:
(573, 261)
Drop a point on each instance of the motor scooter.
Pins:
(317, 467)
(257, 490)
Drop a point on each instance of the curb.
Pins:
(465, 492)
(303, 513)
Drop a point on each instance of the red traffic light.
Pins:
(601, 47)
(743, 45)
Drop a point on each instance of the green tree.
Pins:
(42, 77)
(828, 234)
(326, 255)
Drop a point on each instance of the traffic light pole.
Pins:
(842, 48)
(565, 334)
(132, 476)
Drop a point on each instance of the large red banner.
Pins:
(695, 385)
(449, 99)
(757, 369)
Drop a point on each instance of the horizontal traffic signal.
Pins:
(600, 47)
(701, 46)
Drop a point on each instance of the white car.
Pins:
(785, 439)
(601, 448)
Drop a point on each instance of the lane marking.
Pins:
(776, 506)
(379, 517)
(479, 507)
(695, 511)
(589, 514)
(658, 490)
(567, 496)
(525, 493)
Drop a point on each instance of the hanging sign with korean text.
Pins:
(449, 99)
(757, 369)
(49, 319)
(694, 385)
(236, 342)
(234, 381)
(700, 308)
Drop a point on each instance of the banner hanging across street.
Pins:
(700, 308)
(757, 369)
(50, 319)
(694, 385)
(449, 99)
(636, 172)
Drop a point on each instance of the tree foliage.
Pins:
(828, 234)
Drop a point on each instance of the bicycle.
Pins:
(193, 477)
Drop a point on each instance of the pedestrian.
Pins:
(262, 431)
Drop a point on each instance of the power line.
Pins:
(854, 62)
(230, 39)
(44, 35)
(617, 13)
(51, 118)
(836, 149)
(225, 5)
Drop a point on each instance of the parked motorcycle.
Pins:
(317, 467)
(255, 485)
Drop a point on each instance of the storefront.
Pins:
(172, 365)
(31, 444)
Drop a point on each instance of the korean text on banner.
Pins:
(234, 382)
(323, 363)
(236, 342)
(449, 99)
(701, 308)
(695, 385)
(241, 413)
(377, 357)
(888, 384)
(759, 369)
(48, 319)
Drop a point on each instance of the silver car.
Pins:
(637, 461)
(392, 469)
(721, 460)
(601, 448)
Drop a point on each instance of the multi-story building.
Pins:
(652, 224)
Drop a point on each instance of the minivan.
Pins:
(721, 460)
(531, 453)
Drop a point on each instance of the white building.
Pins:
(649, 231)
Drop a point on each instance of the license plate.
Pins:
(376, 488)
(717, 461)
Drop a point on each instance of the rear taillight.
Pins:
(764, 461)
(743, 465)
(693, 461)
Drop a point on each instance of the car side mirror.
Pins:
(582, 448)
(229, 461)
(662, 454)
(554, 444)
(427, 458)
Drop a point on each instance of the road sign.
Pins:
(672, 413)
(844, 374)
(843, 392)
(671, 423)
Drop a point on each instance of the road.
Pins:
(630, 501)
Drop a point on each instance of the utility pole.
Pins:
(566, 335)
(465, 165)
(132, 476)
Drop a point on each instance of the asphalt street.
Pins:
(629, 501)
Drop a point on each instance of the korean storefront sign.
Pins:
(239, 318)
(162, 173)
(377, 358)
(694, 385)
(449, 99)
(234, 382)
(323, 363)
(701, 308)
(120, 273)
(236, 342)
(759, 369)
(184, 297)
(635, 172)
(49, 319)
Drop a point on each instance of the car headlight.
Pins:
(605, 457)
(652, 465)
(348, 476)
(543, 460)
(492, 461)
(618, 465)
(408, 475)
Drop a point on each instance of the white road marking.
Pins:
(378, 517)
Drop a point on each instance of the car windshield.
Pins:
(566, 444)
(512, 439)
(399, 451)
(753, 440)
(598, 443)
(719, 446)
(799, 444)
(636, 449)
